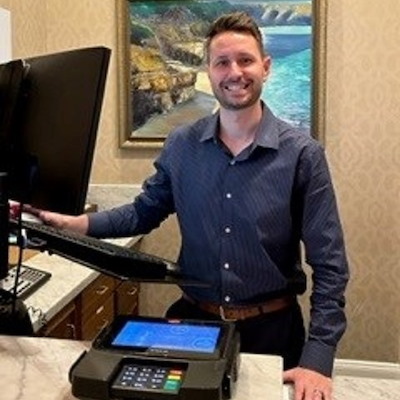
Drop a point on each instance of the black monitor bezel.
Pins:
(49, 103)
(105, 339)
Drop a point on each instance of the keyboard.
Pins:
(30, 279)
(108, 258)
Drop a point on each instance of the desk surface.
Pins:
(37, 368)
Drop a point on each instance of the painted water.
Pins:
(288, 89)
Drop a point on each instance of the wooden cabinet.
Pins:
(102, 316)
(126, 299)
(94, 308)
(63, 325)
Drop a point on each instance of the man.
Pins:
(246, 188)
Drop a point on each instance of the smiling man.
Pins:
(247, 188)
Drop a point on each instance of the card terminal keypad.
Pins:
(149, 377)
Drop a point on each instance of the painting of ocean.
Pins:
(166, 46)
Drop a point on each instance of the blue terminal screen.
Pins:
(169, 336)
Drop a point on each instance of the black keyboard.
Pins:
(108, 258)
(29, 280)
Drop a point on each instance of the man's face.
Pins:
(236, 69)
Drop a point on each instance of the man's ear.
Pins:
(267, 66)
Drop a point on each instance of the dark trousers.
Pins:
(279, 333)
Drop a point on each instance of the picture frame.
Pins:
(153, 102)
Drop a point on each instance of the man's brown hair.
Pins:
(234, 22)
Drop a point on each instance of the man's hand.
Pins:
(79, 223)
(308, 384)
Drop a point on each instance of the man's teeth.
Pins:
(236, 86)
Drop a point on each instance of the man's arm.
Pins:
(325, 253)
(322, 236)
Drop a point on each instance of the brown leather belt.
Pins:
(235, 313)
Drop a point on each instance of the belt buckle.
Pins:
(223, 317)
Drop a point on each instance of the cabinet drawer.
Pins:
(102, 316)
(63, 325)
(126, 298)
(96, 294)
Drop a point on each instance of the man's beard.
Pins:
(240, 104)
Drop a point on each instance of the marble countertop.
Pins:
(37, 368)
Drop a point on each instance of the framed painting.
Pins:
(162, 76)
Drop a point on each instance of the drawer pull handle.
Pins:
(72, 329)
(99, 310)
(101, 290)
(132, 292)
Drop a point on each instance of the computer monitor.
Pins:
(49, 124)
(58, 117)
(11, 76)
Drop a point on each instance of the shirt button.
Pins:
(229, 195)
(227, 299)
(226, 266)
(227, 230)
(233, 162)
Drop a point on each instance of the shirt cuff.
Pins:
(318, 357)
(98, 224)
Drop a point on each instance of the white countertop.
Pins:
(37, 368)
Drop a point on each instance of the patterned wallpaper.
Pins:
(362, 143)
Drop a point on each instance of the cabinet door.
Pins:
(63, 325)
(95, 295)
(127, 299)
(101, 317)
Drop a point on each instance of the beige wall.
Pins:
(362, 142)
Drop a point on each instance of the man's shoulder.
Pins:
(290, 135)
(194, 130)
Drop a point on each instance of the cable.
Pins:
(21, 243)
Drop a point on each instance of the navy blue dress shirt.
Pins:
(242, 219)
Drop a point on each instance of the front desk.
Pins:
(37, 368)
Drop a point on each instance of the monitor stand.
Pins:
(14, 316)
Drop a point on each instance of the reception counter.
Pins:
(37, 368)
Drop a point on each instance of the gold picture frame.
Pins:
(152, 133)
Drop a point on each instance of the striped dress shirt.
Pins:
(242, 219)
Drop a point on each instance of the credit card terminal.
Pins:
(155, 358)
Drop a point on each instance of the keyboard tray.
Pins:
(107, 258)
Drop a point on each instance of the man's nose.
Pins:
(235, 69)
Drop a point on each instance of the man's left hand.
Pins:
(308, 384)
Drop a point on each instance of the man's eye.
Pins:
(222, 63)
(246, 61)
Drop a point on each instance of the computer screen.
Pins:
(168, 336)
(160, 337)
(55, 134)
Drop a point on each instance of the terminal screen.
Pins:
(168, 336)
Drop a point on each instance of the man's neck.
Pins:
(238, 127)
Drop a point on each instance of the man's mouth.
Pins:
(236, 86)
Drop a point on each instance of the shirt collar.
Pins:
(267, 134)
